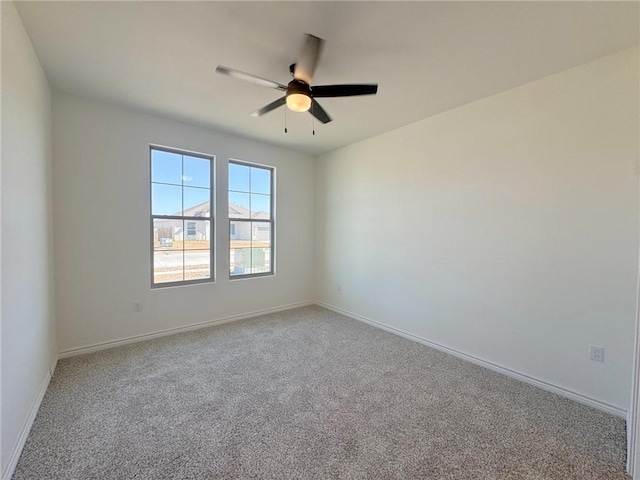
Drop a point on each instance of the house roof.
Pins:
(200, 210)
(235, 211)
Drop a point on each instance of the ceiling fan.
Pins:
(300, 96)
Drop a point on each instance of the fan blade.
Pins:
(344, 90)
(271, 106)
(308, 61)
(247, 77)
(317, 111)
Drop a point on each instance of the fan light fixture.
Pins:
(299, 95)
(298, 102)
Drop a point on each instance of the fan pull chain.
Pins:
(313, 120)
(285, 119)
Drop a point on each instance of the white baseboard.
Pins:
(564, 392)
(72, 352)
(22, 439)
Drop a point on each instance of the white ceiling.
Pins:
(427, 57)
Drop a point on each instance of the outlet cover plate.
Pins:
(596, 353)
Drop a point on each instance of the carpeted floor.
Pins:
(302, 394)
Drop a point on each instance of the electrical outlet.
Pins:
(596, 353)
(137, 307)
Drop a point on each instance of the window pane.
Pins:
(247, 261)
(167, 234)
(238, 205)
(259, 261)
(250, 248)
(166, 167)
(166, 199)
(167, 266)
(238, 177)
(261, 234)
(261, 206)
(197, 264)
(260, 180)
(197, 172)
(239, 261)
(240, 234)
(197, 234)
(240, 242)
(261, 247)
(197, 202)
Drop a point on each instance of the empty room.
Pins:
(312, 240)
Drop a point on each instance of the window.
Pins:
(251, 225)
(181, 217)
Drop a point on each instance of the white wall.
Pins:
(28, 336)
(101, 231)
(506, 229)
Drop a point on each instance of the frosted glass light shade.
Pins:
(298, 102)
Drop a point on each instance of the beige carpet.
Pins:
(306, 394)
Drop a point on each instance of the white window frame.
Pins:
(271, 221)
(184, 218)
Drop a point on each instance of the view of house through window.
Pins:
(181, 199)
(250, 219)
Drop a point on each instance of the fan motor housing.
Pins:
(298, 86)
